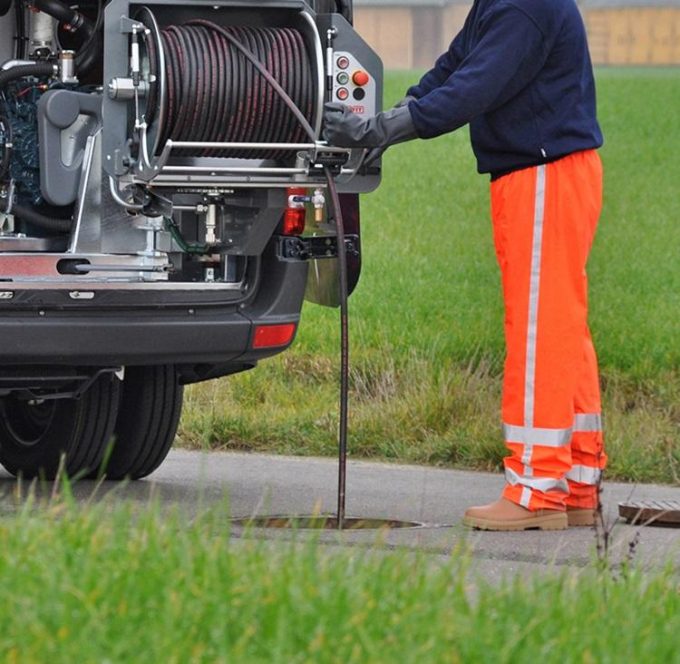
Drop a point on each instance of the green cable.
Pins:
(187, 247)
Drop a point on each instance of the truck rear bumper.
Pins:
(184, 335)
(70, 338)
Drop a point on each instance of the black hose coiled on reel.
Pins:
(221, 82)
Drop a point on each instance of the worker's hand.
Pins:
(349, 130)
(346, 129)
(375, 153)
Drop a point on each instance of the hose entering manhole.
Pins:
(324, 522)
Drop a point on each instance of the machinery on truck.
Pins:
(163, 209)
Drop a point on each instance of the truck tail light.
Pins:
(296, 211)
(272, 336)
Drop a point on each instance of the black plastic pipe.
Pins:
(37, 219)
(64, 14)
(38, 69)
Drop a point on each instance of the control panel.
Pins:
(353, 85)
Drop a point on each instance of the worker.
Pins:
(519, 73)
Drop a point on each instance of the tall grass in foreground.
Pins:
(130, 586)
(426, 320)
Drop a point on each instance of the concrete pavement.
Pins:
(271, 485)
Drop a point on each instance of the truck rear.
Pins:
(163, 193)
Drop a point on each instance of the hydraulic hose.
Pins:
(37, 219)
(87, 53)
(38, 69)
(344, 348)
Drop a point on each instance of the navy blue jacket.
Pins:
(520, 73)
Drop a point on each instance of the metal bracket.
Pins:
(36, 386)
(314, 247)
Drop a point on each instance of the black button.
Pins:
(359, 94)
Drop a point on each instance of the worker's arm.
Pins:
(445, 65)
(509, 54)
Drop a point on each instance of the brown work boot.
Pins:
(506, 515)
(578, 516)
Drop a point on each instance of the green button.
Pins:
(343, 78)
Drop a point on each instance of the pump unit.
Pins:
(163, 192)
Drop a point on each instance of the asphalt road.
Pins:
(252, 484)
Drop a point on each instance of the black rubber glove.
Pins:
(376, 153)
(349, 130)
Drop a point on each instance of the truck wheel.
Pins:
(35, 434)
(147, 422)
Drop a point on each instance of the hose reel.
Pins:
(203, 91)
(227, 95)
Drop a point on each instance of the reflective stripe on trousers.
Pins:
(544, 222)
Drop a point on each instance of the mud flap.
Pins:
(322, 278)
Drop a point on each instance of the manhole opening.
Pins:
(323, 522)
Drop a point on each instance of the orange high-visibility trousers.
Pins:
(544, 222)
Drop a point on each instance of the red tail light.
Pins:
(271, 336)
(296, 212)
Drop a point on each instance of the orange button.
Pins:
(360, 78)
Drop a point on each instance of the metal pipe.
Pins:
(115, 194)
(232, 169)
(318, 52)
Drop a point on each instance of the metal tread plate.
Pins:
(651, 512)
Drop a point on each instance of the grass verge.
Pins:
(130, 586)
(426, 320)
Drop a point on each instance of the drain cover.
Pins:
(322, 522)
(651, 512)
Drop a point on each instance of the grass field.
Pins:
(117, 585)
(426, 320)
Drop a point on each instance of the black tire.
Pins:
(147, 423)
(34, 436)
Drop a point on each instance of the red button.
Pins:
(342, 93)
(360, 78)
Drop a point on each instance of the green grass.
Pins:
(426, 320)
(119, 585)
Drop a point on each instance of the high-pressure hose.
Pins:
(194, 48)
(200, 47)
(344, 348)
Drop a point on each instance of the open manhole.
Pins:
(324, 522)
(651, 512)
